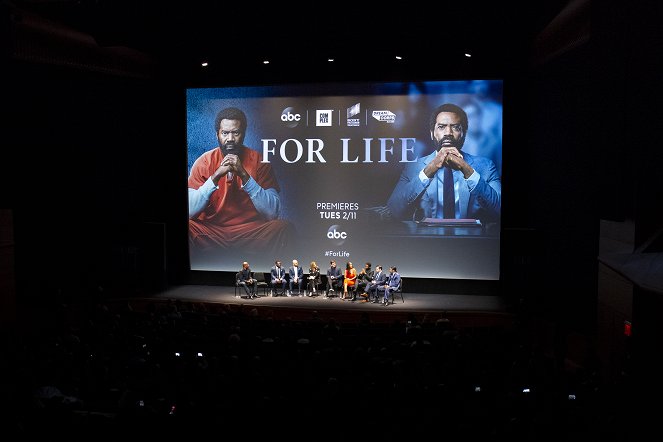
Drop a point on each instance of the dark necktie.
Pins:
(448, 197)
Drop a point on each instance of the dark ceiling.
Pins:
(357, 35)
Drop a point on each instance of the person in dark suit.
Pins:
(334, 277)
(476, 190)
(296, 277)
(392, 283)
(278, 278)
(364, 278)
(246, 280)
(379, 279)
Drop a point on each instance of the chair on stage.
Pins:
(337, 287)
(312, 284)
(352, 291)
(324, 285)
(238, 287)
(278, 289)
(398, 292)
(262, 282)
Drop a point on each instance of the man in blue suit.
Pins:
(296, 277)
(379, 279)
(393, 281)
(477, 189)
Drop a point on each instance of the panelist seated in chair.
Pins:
(278, 281)
(313, 278)
(379, 279)
(349, 282)
(246, 280)
(393, 282)
(334, 277)
(364, 277)
(296, 274)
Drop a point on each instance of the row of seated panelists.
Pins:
(307, 285)
(261, 277)
(278, 289)
(392, 293)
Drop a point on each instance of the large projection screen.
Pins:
(336, 152)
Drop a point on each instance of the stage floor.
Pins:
(469, 309)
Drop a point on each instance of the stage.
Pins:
(465, 310)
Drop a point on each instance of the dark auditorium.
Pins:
(331, 222)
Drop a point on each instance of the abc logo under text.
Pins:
(335, 234)
(290, 118)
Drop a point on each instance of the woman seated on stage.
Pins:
(313, 279)
(349, 281)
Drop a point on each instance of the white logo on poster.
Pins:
(384, 116)
(338, 237)
(323, 117)
(289, 117)
(351, 112)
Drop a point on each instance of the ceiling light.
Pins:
(265, 62)
(398, 57)
(468, 55)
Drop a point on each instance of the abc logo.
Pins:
(289, 117)
(334, 234)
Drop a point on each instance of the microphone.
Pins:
(230, 148)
